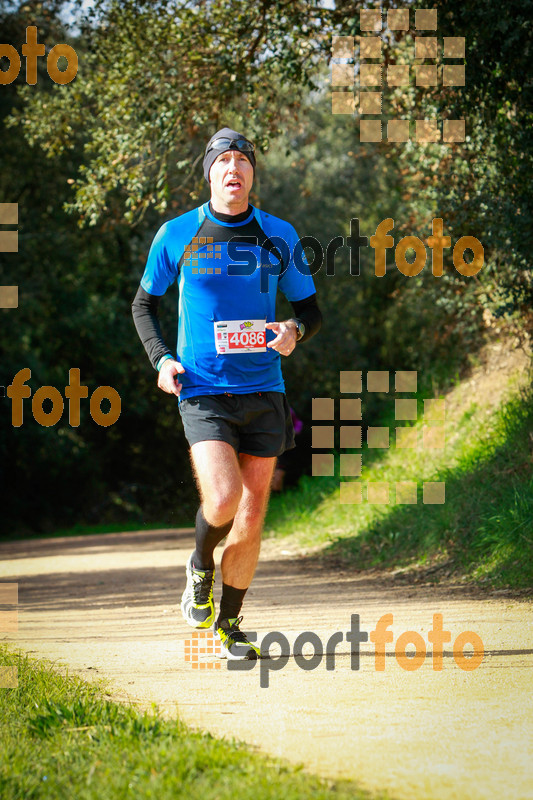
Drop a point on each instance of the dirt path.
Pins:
(108, 607)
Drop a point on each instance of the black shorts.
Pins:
(259, 423)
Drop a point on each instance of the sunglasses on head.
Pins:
(224, 143)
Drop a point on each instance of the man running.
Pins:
(227, 373)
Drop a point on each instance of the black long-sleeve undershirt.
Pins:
(146, 319)
(308, 312)
(145, 316)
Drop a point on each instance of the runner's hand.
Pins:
(285, 341)
(167, 380)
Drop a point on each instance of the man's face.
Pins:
(231, 177)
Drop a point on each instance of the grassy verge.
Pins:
(483, 531)
(61, 738)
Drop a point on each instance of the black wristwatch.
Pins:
(300, 327)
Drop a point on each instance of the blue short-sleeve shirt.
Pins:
(224, 280)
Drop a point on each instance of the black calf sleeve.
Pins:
(230, 602)
(207, 538)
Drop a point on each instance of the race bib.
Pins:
(240, 336)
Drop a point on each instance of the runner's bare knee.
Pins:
(220, 505)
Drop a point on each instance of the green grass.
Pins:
(62, 738)
(484, 530)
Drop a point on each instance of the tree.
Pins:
(154, 79)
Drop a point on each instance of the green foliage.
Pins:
(119, 151)
(481, 187)
(484, 530)
(63, 738)
(156, 80)
(316, 175)
(75, 291)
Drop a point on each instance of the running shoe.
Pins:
(234, 644)
(197, 604)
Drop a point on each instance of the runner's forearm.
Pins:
(308, 312)
(144, 310)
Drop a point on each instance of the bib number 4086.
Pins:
(240, 336)
(247, 339)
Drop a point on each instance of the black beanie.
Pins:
(212, 155)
